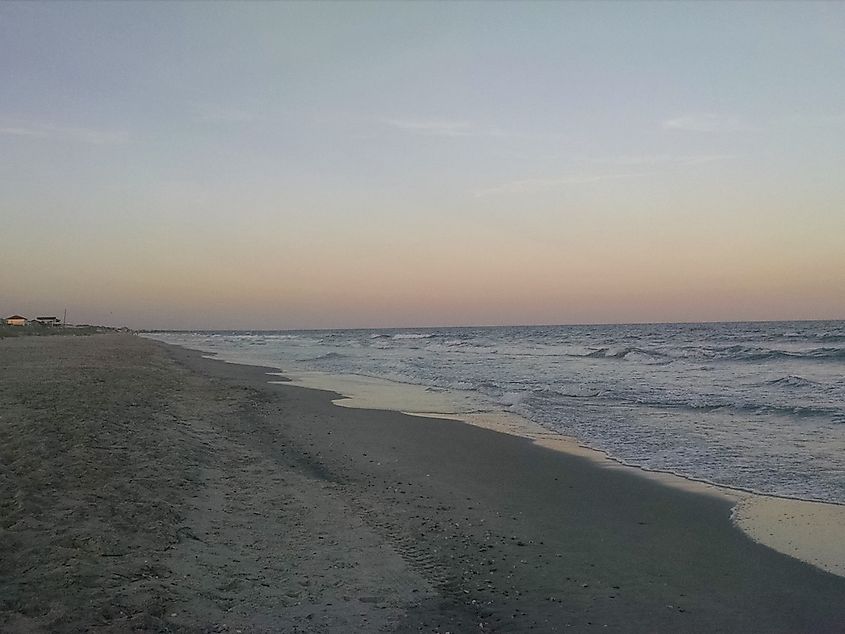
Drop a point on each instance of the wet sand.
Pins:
(813, 532)
(144, 487)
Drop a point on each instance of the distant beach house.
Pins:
(16, 320)
(47, 321)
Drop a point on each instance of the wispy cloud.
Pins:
(22, 131)
(441, 127)
(812, 120)
(536, 185)
(625, 166)
(666, 160)
(705, 122)
(81, 135)
(214, 113)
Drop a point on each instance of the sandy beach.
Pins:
(146, 488)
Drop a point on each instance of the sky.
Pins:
(352, 164)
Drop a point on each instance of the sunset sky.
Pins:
(392, 164)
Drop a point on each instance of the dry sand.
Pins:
(135, 496)
(144, 487)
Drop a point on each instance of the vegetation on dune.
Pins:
(39, 331)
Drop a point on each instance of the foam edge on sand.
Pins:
(809, 531)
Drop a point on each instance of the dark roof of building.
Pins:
(46, 319)
(15, 317)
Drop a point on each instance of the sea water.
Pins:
(757, 406)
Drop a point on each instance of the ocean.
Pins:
(758, 406)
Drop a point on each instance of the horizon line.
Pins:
(544, 325)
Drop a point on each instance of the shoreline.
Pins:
(341, 384)
(805, 529)
(149, 488)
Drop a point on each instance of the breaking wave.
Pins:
(630, 354)
(747, 353)
(330, 356)
(791, 381)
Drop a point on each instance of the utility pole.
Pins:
(64, 319)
